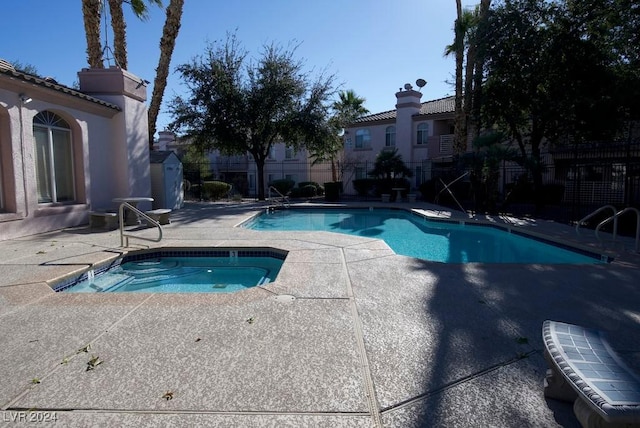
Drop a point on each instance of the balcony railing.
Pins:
(446, 144)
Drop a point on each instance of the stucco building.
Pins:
(422, 133)
(65, 152)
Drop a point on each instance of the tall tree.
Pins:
(167, 44)
(474, 68)
(91, 12)
(467, 31)
(238, 106)
(544, 80)
(119, 27)
(457, 48)
(345, 110)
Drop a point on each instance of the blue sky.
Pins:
(372, 46)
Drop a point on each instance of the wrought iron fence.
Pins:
(574, 182)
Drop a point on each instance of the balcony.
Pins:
(446, 144)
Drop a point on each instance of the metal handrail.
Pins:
(124, 237)
(599, 210)
(446, 187)
(615, 224)
(285, 199)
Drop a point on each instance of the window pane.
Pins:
(363, 138)
(43, 164)
(63, 165)
(390, 139)
(423, 133)
(53, 158)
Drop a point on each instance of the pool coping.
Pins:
(61, 284)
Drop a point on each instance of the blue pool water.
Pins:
(181, 275)
(412, 235)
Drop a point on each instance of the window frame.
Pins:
(363, 139)
(390, 136)
(422, 134)
(53, 124)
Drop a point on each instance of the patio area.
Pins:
(370, 339)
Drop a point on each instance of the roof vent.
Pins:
(6, 65)
(50, 80)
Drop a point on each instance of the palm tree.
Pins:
(167, 44)
(466, 32)
(461, 28)
(91, 12)
(119, 26)
(348, 108)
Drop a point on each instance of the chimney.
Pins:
(165, 138)
(407, 105)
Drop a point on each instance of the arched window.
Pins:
(390, 136)
(54, 158)
(363, 139)
(423, 133)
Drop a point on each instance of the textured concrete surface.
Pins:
(369, 338)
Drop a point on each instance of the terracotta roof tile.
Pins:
(442, 105)
(52, 84)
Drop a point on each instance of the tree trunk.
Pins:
(91, 11)
(460, 140)
(260, 179)
(119, 28)
(334, 171)
(167, 44)
(478, 74)
(468, 88)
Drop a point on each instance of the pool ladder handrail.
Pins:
(615, 224)
(124, 237)
(599, 210)
(284, 199)
(613, 218)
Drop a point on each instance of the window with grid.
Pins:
(390, 136)
(422, 136)
(423, 133)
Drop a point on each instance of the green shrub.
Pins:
(319, 188)
(283, 186)
(364, 186)
(215, 190)
(308, 191)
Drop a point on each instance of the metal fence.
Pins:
(575, 182)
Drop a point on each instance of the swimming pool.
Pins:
(413, 235)
(181, 272)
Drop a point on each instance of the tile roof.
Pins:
(441, 105)
(52, 84)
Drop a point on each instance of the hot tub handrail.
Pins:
(124, 237)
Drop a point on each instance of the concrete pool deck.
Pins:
(370, 338)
